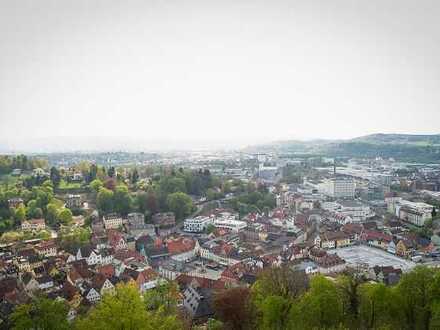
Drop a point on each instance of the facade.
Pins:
(338, 188)
(136, 220)
(234, 225)
(73, 201)
(357, 211)
(166, 219)
(112, 221)
(197, 224)
(415, 213)
(34, 224)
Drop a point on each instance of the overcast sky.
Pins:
(240, 71)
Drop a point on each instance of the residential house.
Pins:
(136, 220)
(47, 249)
(112, 221)
(33, 224)
(164, 220)
(116, 240)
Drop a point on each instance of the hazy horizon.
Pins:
(209, 74)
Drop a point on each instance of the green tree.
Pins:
(126, 310)
(20, 213)
(321, 306)
(418, 290)
(52, 213)
(65, 216)
(379, 307)
(122, 200)
(104, 200)
(181, 204)
(41, 314)
(55, 176)
(96, 185)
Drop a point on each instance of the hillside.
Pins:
(417, 139)
(403, 147)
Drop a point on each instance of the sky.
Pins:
(229, 72)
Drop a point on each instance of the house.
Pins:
(331, 263)
(145, 279)
(78, 221)
(180, 245)
(376, 238)
(30, 285)
(15, 202)
(45, 282)
(112, 221)
(163, 220)
(73, 201)
(102, 284)
(197, 301)
(136, 220)
(92, 295)
(47, 249)
(331, 240)
(107, 270)
(92, 257)
(404, 247)
(71, 294)
(33, 224)
(79, 272)
(116, 240)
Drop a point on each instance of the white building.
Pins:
(413, 212)
(231, 224)
(337, 187)
(112, 221)
(197, 224)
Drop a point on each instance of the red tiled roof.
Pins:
(180, 245)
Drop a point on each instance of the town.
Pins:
(197, 225)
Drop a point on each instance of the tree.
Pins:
(104, 200)
(110, 184)
(134, 176)
(180, 203)
(233, 308)
(349, 285)
(418, 289)
(122, 200)
(20, 213)
(111, 172)
(379, 307)
(275, 292)
(55, 176)
(41, 314)
(65, 216)
(96, 185)
(165, 296)
(52, 213)
(321, 306)
(126, 310)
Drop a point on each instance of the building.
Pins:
(112, 221)
(136, 220)
(230, 224)
(33, 224)
(415, 213)
(197, 224)
(73, 201)
(357, 211)
(163, 220)
(15, 202)
(338, 188)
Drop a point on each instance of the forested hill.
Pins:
(403, 147)
(415, 139)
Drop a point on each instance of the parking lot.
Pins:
(356, 255)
